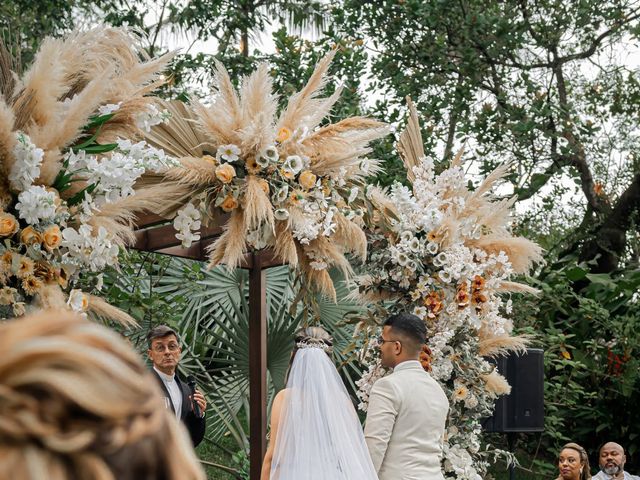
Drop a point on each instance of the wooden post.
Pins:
(257, 365)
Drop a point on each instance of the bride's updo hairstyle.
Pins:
(313, 336)
(307, 337)
(77, 403)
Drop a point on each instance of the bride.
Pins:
(315, 432)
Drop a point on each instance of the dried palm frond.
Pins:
(180, 137)
(410, 146)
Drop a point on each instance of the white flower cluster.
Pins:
(459, 461)
(317, 218)
(36, 205)
(187, 223)
(95, 251)
(144, 155)
(365, 384)
(114, 176)
(152, 116)
(26, 167)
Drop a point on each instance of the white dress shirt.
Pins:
(174, 390)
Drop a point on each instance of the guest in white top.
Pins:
(407, 409)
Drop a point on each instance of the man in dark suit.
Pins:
(164, 352)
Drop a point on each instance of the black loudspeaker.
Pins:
(523, 409)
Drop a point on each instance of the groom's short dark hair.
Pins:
(408, 326)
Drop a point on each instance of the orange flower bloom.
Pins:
(229, 204)
(52, 237)
(478, 283)
(8, 225)
(284, 134)
(30, 236)
(307, 179)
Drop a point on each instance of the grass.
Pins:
(211, 453)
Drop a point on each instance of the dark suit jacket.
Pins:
(196, 426)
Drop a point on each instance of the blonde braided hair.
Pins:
(76, 402)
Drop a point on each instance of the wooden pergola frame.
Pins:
(156, 234)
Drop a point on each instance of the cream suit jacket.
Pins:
(405, 424)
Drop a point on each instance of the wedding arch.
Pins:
(239, 183)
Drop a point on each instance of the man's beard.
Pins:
(613, 470)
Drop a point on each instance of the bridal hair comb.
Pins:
(306, 344)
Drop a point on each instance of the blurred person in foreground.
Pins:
(573, 463)
(77, 403)
(164, 352)
(612, 459)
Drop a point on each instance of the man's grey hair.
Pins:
(160, 331)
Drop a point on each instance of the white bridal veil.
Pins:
(319, 435)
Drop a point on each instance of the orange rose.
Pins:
(52, 237)
(264, 185)
(307, 179)
(229, 204)
(30, 236)
(284, 134)
(225, 173)
(8, 225)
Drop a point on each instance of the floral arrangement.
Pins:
(69, 164)
(283, 181)
(446, 254)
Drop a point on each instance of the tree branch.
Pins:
(610, 238)
(577, 157)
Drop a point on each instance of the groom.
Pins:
(407, 409)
